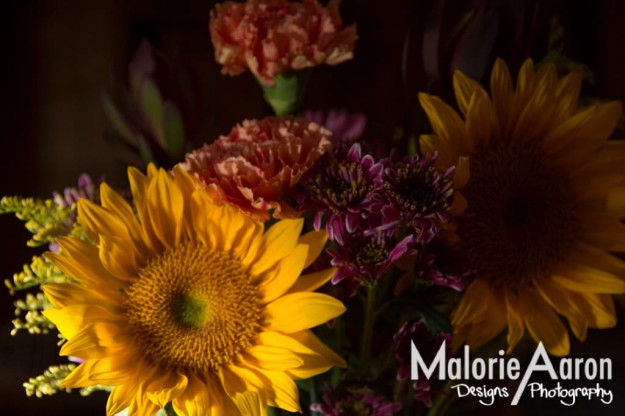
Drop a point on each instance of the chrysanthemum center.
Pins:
(521, 219)
(339, 185)
(193, 307)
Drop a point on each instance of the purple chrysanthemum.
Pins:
(345, 127)
(368, 257)
(427, 344)
(443, 264)
(415, 194)
(340, 401)
(342, 186)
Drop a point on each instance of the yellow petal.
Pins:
(478, 120)
(501, 91)
(280, 388)
(491, 325)
(465, 89)
(312, 281)
(316, 241)
(595, 122)
(120, 398)
(113, 371)
(589, 279)
(516, 326)
(445, 122)
(603, 232)
(90, 275)
(66, 294)
(73, 318)
(285, 274)
(117, 258)
(98, 220)
(97, 340)
(80, 376)
(568, 90)
(311, 341)
(447, 155)
(302, 310)
(271, 358)
(473, 304)
(166, 388)
(200, 398)
(249, 403)
(535, 107)
(285, 394)
(565, 303)
(165, 206)
(118, 206)
(277, 243)
(543, 323)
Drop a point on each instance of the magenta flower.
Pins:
(342, 401)
(443, 264)
(367, 258)
(414, 194)
(345, 127)
(342, 187)
(427, 345)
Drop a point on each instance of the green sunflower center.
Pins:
(193, 307)
(521, 220)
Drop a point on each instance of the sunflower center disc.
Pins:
(193, 307)
(521, 218)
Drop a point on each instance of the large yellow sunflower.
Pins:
(541, 203)
(190, 303)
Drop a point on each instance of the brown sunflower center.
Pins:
(193, 307)
(521, 218)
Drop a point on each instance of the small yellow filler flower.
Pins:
(541, 199)
(189, 302)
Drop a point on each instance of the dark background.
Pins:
(57, 56)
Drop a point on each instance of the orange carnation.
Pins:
(274, 36)
(258, 160)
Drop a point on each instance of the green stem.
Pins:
(367, 334)
(339, 329)
(443, 401)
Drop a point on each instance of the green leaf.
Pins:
(152, 104)
(146, 152)
(117, 121)
(174, 131)
(435, 320)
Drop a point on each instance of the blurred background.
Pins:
(58, 57)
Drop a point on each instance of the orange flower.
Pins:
(258, 160)
(274, 36)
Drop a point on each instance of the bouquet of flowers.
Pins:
(289, 266)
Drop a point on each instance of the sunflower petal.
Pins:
(164, 389)
(278, 242)
(316, 241)
(543, 323)
(312, 281)
(285, 275)
(302, 310)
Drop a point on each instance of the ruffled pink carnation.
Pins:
(274, 36)
(258, 160)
